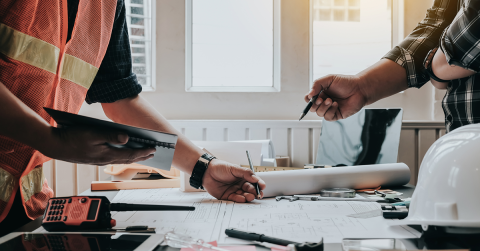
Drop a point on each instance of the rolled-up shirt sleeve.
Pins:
(461, 40)
(115, 79)
(411, 52)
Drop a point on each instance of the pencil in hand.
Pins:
(253, 170)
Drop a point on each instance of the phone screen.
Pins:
(74, 242)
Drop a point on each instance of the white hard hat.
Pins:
(448, 188)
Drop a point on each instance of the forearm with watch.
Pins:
(196, 179)
(219, 178)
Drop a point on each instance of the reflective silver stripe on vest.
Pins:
(7, 184)
(36, 52)
(32, 183)
(27, 49)
(78, 71)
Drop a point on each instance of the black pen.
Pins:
(250, 236)
(309, 105)
(253, 170)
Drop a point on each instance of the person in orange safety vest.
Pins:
(58, 54)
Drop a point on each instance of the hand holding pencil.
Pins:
(253, 170)
(339, 96)
(226, 181)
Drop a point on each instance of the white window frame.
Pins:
(150, 53)
(276, 57)
(397, 30)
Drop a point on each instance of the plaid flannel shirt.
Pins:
(454, 26)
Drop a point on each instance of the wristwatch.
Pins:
(427, 64)
(199, 170)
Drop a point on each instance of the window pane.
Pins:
(354, 3)
(138, 59)
(137, 21)
(140, 70)
(232, 43)
(340, 2)
(354, 15)
(339, 15)
(137, 10)
(138, 32)
(142, 80)
(138, 50)
(325, 15)
(341, 47)
(325, 3)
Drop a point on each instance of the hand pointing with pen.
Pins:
(341, 98)
(345, 95)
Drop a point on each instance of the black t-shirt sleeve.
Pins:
(115, 79)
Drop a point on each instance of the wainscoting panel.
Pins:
(49, 172)
(289, 137)
(85, 175)
(407, 152)
(66, 174)
(299, 140)
(415, 140)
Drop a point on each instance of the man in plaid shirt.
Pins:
(444, 48)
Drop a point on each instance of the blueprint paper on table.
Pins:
(298, 221)
(203, 223)
(308, 220)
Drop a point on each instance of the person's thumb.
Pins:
(248, 175)
(116, 138)
(122, 138)
(319, 85)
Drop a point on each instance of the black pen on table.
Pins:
(309, 105)
(251, 236)
(253, 170)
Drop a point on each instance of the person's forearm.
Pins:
(136, 111)
(443, 70)
(21, 123)
(383, 79)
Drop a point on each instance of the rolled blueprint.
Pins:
(308, 181)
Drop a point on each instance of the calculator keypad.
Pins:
(56, 210)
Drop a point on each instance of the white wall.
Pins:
(171, 99)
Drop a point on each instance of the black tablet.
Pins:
(80, 242)
(138, 137)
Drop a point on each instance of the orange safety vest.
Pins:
(41, 69)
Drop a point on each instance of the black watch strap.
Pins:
(433, 76)
(427, 64)
(199, 170)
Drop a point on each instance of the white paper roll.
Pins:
(308, 181)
